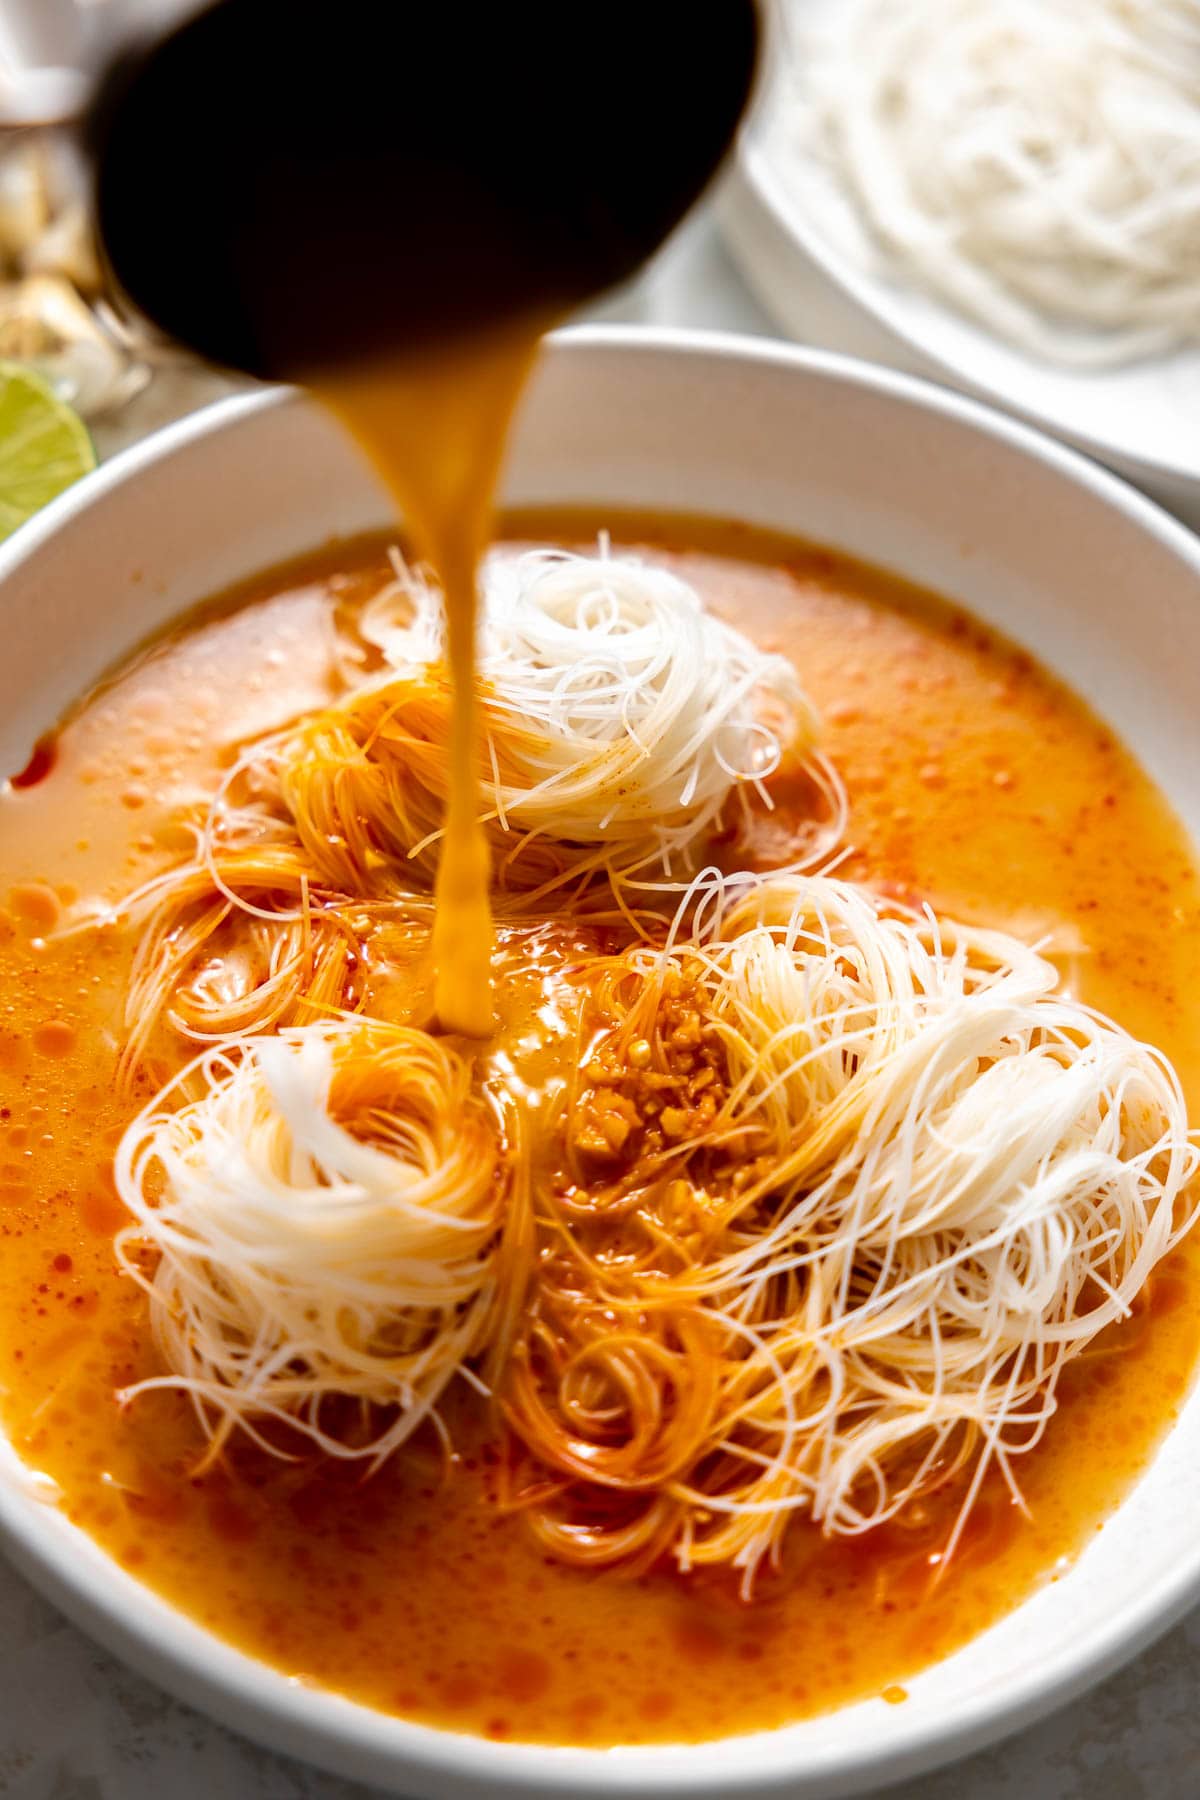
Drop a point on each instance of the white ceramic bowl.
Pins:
(1090, 576)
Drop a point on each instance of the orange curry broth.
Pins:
(975, 781)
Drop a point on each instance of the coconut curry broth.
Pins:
(974, 781)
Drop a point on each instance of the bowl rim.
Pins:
(180, 1655)
(753, 167)
(977, 409)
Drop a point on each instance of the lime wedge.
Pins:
(44, 446)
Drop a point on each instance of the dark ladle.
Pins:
(283, 185)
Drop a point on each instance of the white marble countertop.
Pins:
(75, 1725)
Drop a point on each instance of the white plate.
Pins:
(792, 233)
(1089, 575)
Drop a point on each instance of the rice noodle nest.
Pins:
(932, 1181)
(322, 1210)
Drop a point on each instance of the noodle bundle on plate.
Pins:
(1035, 163)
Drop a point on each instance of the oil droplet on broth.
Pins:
(35, 905)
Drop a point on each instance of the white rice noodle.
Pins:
(316, 1215)
(969, 1177)
(636, 713)
(1035, 163)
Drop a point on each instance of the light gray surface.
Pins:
(75, 1726)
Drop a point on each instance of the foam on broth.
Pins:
(975, 782)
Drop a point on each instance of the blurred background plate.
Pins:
(786, 224)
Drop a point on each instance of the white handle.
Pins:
(52, 50)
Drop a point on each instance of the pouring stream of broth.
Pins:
(434, 426)
(390, 204)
